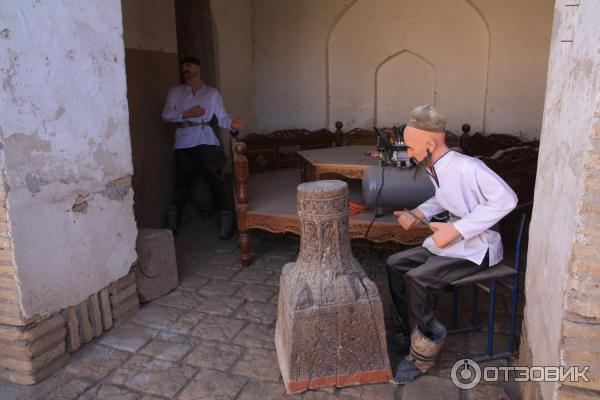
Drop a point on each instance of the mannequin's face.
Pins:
(190, 71)
(420, 143)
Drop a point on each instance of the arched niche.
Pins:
(401, 81)
(450, 34)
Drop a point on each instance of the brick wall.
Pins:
(581, 318)
(10, 311)
(29, 354)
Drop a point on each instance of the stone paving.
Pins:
(212, 338)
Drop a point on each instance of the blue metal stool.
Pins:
(488, 281)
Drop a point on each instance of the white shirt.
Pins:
(471, 191)
(181, 98)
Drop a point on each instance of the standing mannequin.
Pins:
(192, 106)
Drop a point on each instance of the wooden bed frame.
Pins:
(266, 177)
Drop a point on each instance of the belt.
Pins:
(187, 124)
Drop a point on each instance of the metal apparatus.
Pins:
(393, 184)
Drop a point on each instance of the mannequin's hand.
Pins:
(196, 112)
(237, 124)
(406, 221)
(445, 233)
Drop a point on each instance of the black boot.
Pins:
(227, 224)
(423, 351)
(173, 219)
(398, 345)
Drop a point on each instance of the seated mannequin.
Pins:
(476, 199)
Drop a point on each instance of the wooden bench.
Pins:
(266, 177)
(512, 159)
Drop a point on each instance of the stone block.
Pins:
(182, 299)
(582, 304)
(122, 283)
(5, 243)
(225, 306)
(218, 328)
(431, 387)
(85, 325)
(172, 349)
(213, 385)
(126, 309)
(262, 390)
(123, 295)
(263, 313)
(258, 336)
(258, 364)
(156, 272)
(32, 332)
(214, 355)
(73, 338)
(30, 378)
(9, 294)
(28, 351)
(95, 362)
(7, 270)
(106, 310)
(330, 329)
(8, 282)
(218, 287)
(154, 377)
(582, 330)
(129, 337)
(586, 266)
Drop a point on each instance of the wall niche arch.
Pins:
(372, 43)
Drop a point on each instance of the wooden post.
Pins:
(194, 35)
(339, 135)
(241, 174)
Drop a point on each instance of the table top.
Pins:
(350, 156)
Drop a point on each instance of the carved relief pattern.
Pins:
(330, 319)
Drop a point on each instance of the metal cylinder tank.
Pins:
(400, 188)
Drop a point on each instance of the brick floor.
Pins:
(212, 338)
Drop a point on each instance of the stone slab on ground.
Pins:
(431, 387)
(215, 327)
(96, 361)
(258, 364)
(214, 355)
(183, 333)
(154, 377)
(256, 336)
(208, 384)
(128, 337)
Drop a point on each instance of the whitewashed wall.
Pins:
(363, 61)
(65, 137)
(571, 114)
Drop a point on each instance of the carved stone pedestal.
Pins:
(330, 329)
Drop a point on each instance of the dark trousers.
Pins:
(203, 159)
(414, 277)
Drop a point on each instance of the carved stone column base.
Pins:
(330, 329)
(342, 345)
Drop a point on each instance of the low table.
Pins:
(348, 161)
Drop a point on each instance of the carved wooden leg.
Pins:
(241, 173)
(303, 167)
(245, 249)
